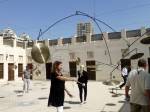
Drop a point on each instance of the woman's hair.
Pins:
(55, 65)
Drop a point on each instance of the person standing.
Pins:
(125, 71)
(56, 96)
(26, 79)
(83, 79)
(139, 81)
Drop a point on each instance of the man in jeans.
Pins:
(26, 78)
(139, 81)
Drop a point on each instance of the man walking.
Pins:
(139, 81)
(125, 71)
(26, 78)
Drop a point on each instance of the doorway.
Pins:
(10, 71)
(125, 62)
(91, 70)
(149, 65)
(48, 70)
(20, 70)
(73, 69)
(30, 65)
(1, 71)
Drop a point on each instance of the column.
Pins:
(60, 41)
(5, 68)
(123, 33)
(1, 40)
(47, 42)
(143, 30)
(73, 40)
(14, 43)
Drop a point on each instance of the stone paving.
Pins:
(99, 99)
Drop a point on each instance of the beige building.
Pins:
(15, 54)
(92, 51)
(84, 29)
(12, 55)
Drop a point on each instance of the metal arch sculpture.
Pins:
(77, 13)
(96, 21)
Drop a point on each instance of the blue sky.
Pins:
(30, 16)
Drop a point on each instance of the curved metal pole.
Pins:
(105, 42)
(135, 49)
(79, 12)
(86, 15)
(101, 63)
(138, 38)
(54, 25)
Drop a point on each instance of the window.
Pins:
(30, 44)
(20, 44)
(90, 54)
(8, 42)
(11, 57)
(53, 42)
(66, 41)
(1, 57)
(81, 39)
(20, 59)
(114, 35)
(133, 33)
(96, 37)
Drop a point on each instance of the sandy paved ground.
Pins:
(99, 98)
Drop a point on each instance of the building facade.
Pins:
(15, 54)
(12, 55)
(92, 51)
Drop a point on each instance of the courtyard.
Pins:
(100, 98)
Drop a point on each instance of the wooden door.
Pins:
(48, 70)
(72, 68)
(20, 70)
(30, 65)
(10, 71)
(1, 71)
(91, 70)
(125, 62)
(149, 65)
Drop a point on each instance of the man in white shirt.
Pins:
(139, 81)
(125, 71)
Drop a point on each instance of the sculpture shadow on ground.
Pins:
(72, 102)
(42, 98)
(18, 91)
(66, 107)
(110, 104)
(2, 97)
(117, 95)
